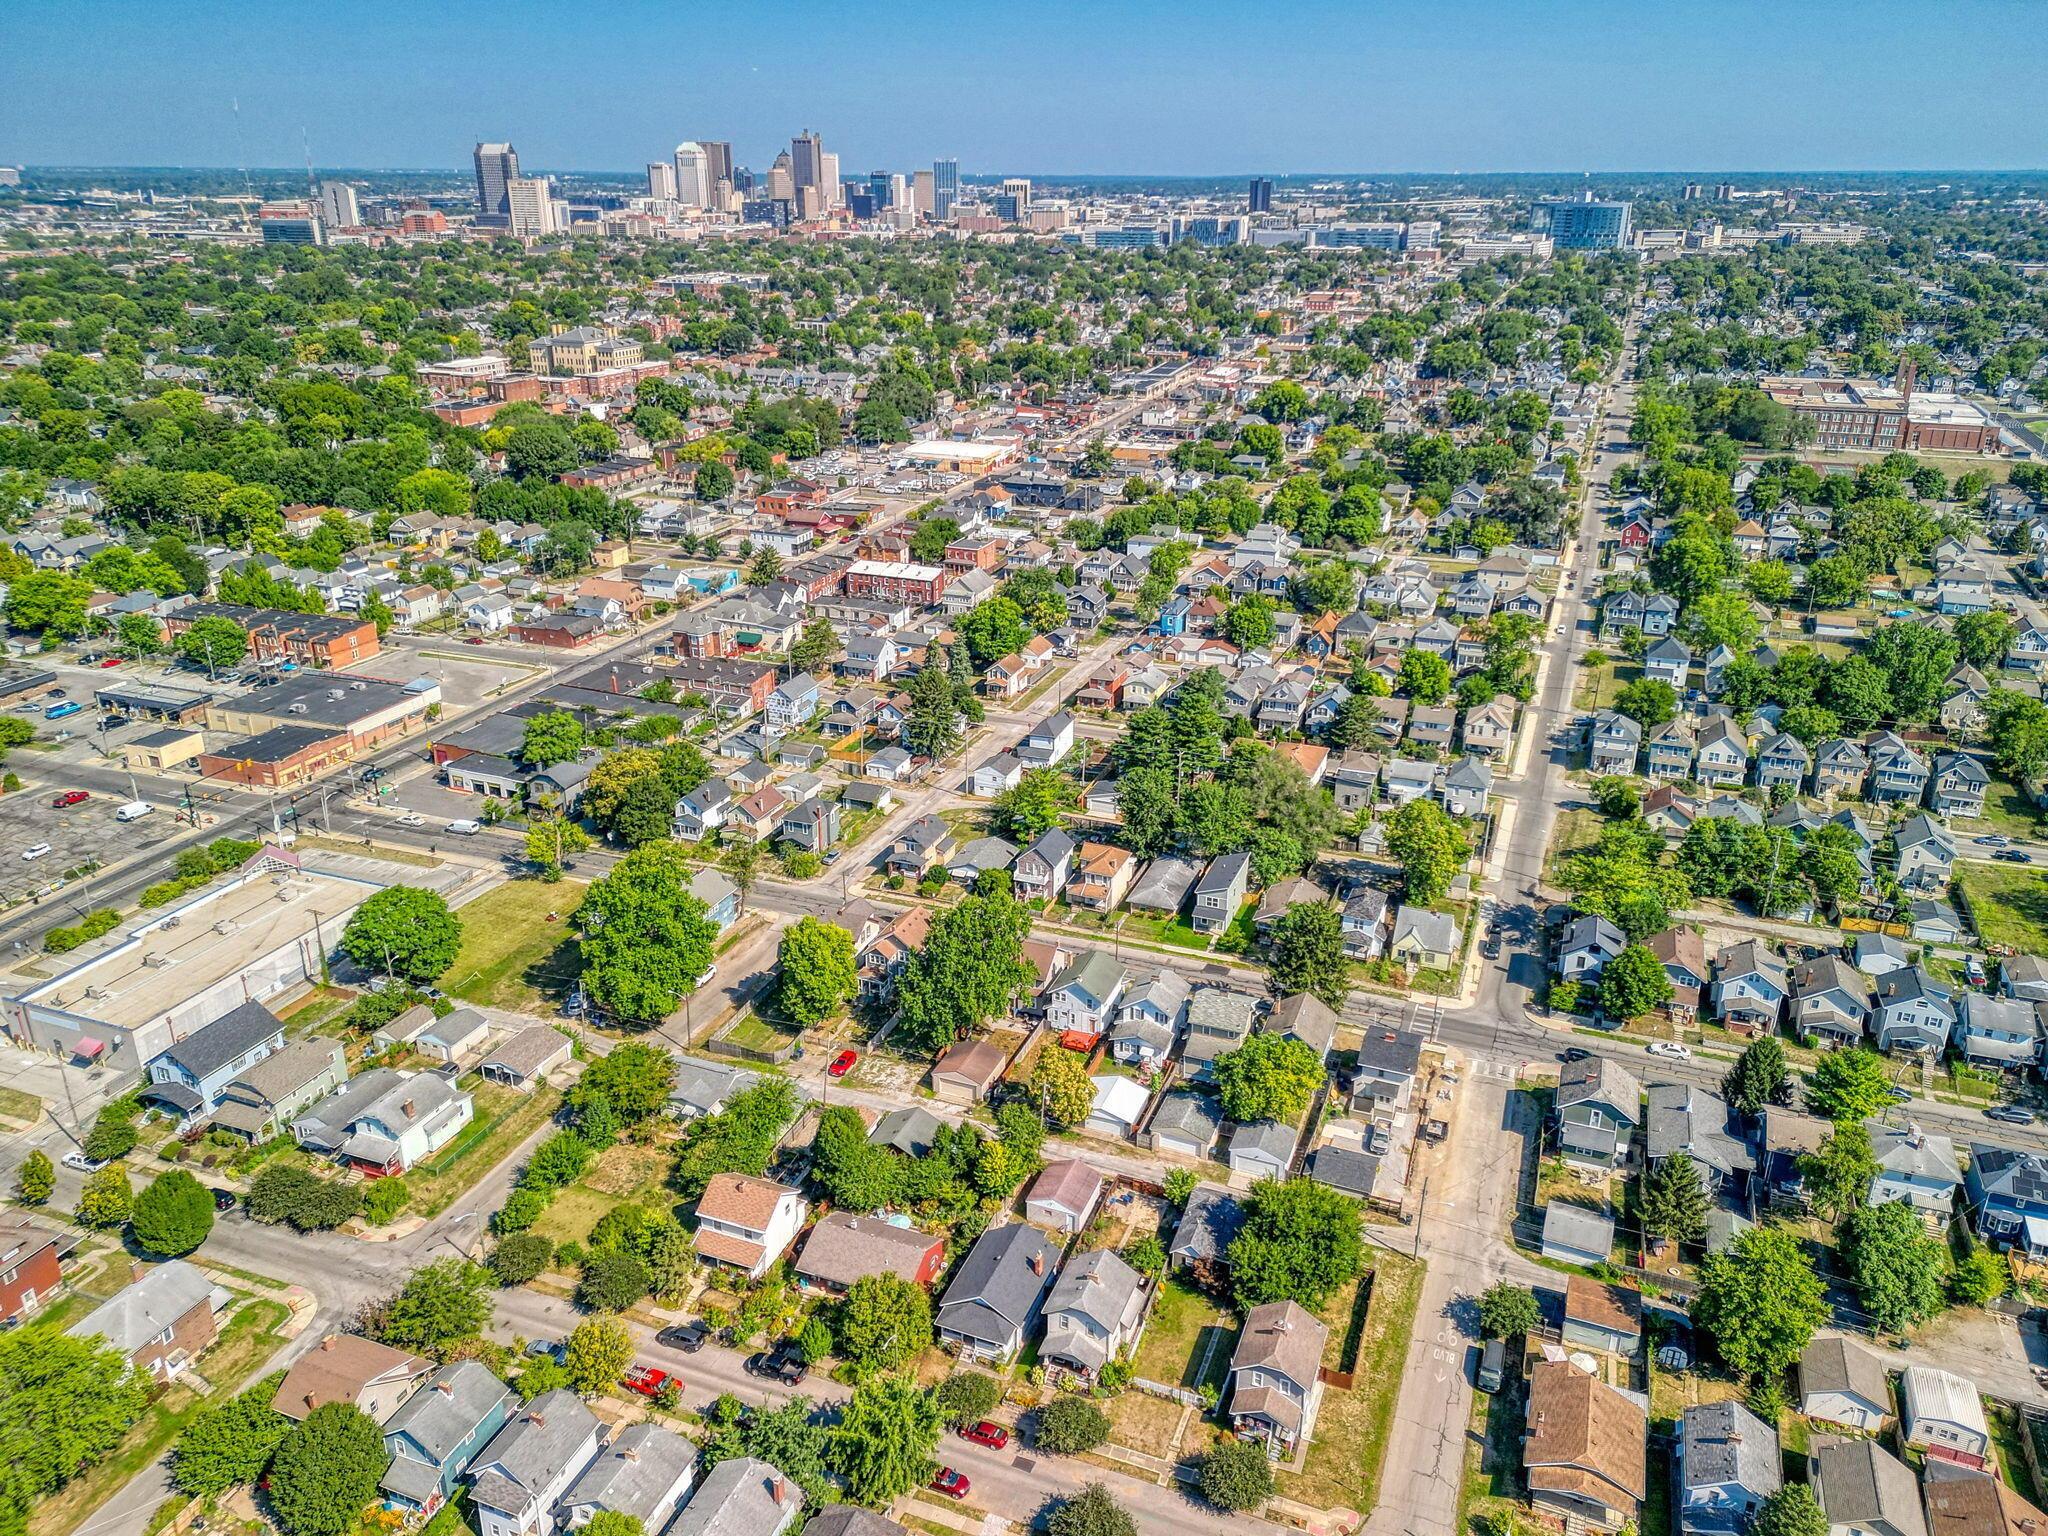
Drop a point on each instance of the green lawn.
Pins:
(1350, 1445)
(504, 1118)
(2007, 809)
(1160, 930)
(1184, 1322)
(1492, 1486)
(757, 1034)
(22, 1108)
(250, 1338)
(511, 955)
(2009, 904)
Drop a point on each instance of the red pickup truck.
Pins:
(647, 1380)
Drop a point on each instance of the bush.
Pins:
(383, 1199)
(302, 1198)
(1069, 1425)
(518, 1258)
(108, 1140)
(173, 1215)
(1147, 1255)
(1236, 1476)
(612, 1282)
(522, 1208)
(969, 1397)
(106, 1200)
(559, 1160)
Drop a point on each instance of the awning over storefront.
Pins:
(90, 1049)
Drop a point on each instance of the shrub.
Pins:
(1236, 1476)
(173, 1215)
(302, 1198)
(612, 1282)
(518, 1258)
(383, 1200)
(559, 1160)
(1070, 1425)
(969, 1396)
(522, 1208)
(108, 1140)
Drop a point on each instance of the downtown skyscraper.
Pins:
(497, 167)
(945, 189)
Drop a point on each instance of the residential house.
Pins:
(31, 1265)
(190, 1077)
(2000, 1032)
(1389, 1061)
(1916, 1167)
(1042, 870)
(1364, 921)
(1958, 786)
(643, 1473)
(1584, 1454)
(841, 1247)
(1275, 1385)
(747, 1223)
(1728, 1467)
(1263, 1149)
(348, 1368)
(1601, 1315)
(1102, 877)
(517, 1480)
(1927, 853)
(1723, 754)
(261, 1101)
(1162, 886)
(438, 1432)
(1307, 1018)
(1001, 772)
(1488, 728)
(1668, 661)
(160, 1322)
(1897, 772)
(1208, 1224)
(1830, 1000)
(2008, 1191)
(1092, 1314)
(1841, 1382)
(1941, 1415)
(1082, 999)
(1913, 1011)
(383, 1122)
(1220, 892)
(1683, 954)
(1064, 1195)
(1670, 750)
(1047, 742)
(743, 1497)
(1219, 1019)
(925, 842)
(1149, 1020)
(1613, 742)
(1751, 984)
(995, 1295)
(1466, 786)
(1423, 939)
(1598, 1107)
(1681, 1117)
(700, 813)
(1864, 1490)
(1840, 768)
(1782, 761)
(1585, 945)
(966, 1070)
(1117, 1105)
(1187, 1123)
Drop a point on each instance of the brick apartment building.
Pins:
(896, 581)
(733, 687)
(1865, 416)
(320, 640)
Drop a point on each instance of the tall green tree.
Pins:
(970, 970)
(1301, 1241)
(440, 1306)
(173, 1215)
(884, 1321)
(36, 1178)
(1791, 1511)
(1674, 1201)
(1760, 1301)
(599, 1350)
(1308, 953)
(1093, 1511)
(1899, 1267)
(815, 970)
(1758, 1078)
(65, 1404)
(404, 931)
(1848, 1085)
(1633, 983)
(645, 937)
(229, 1446)
(1838, 1174)
(1429, 847)
(326, 1470)
(883, 1443)
(1269, 1077)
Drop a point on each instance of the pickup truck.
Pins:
(647, 1380)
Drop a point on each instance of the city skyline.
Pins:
(1476, 86)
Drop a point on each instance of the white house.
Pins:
(747, 1223)
(520, 1476)
(1941, 1414)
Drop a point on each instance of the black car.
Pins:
(224, 1200)
(688, 1337)
(1574, 1053)
(2013, 856)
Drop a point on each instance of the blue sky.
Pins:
(1189, 87)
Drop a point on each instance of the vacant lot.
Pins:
(512, 956)
(1186, 1329)
(2009, 904)
(504, 1118)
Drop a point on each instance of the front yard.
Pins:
(511, 955)
(1188, 1339)
(2008, 903)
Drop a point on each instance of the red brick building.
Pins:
(783, 499)
(30, 1266)
(896, 581)
(735, 687)
(279, 758)
(558, 632)
(975, 554)
(319, 640)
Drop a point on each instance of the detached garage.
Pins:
(1573, 1234)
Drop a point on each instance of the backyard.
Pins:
(2008, 905)
(511, 955)
(504, 1118)
(1188, 1338)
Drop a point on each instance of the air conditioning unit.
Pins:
(225, 926)
(287, 894)
(298, 709)
(155, 962)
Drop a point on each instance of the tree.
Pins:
(614, 1522)
(1848, 1085)
(1248, 622)
(1721, 618)
(1300, 1241)
(406, 931)
(1984, 638)
(1425, 677)
(1308, 954)
(1759, 1300)
(326, 1470)
(763, 568)
(967, 1397)
(598, 1353)
(1036, 805)
(1618, 797)
(884, 1321)
(1069, 1425)
(441, 1305)
(1648, 701)
(1981, 1276)
(632, 1081)
(1633, 983)
(1269, 1077)
(106, 1199)
(67, 1403)
(1758, 1078)
(213, 643)
(1093, 1511)
(1674, 1201)
(1236, 1476)
(883, 1443)
(714, 481)
(1900, 1268)
(229, 1446)
(139, 635)
(970, 969)
(612, 1282)
(1835, 581)
(36, 1178)
(551, 838)
(519, 1257)
(646, 938)
(1430, 849)
(1792, 1510)
(173, 1215)
(1507, 1310)
(932, 728)
(994, 629)
(1060, 1086)
(555, 736)
(816, 646)
(1838, 1175)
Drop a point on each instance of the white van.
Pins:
(134, 810)
(465, 828)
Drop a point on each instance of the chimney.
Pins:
(1038, 1263)
(780, 1490)
(537, 1420)
(630, 1453)
(312, 1402)
(328, 1342)
(444, 1389)
(1908, 376)
(408, 1109)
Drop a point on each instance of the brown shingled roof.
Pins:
(1584, 1437)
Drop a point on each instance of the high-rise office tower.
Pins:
(879, 188)
(497, 166)
(807, 160)
(718, 152)
(1584, 224)
(781, 180)
(921, 192)
(661, 181)
(1020, 189)
(693, 175)
(945, 188)
(1261, 198)
(530, 206)
(338, 206)
(828, 181)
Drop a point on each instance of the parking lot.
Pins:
(77, 835)
(469, 676)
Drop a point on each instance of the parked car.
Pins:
(954, 1485)
(1574, 1053)
(112, 661)
(35, 850)
(647, 1380)
(1992, 840)
(412, 819)
(78, 1160)
(688, 1337)
(1670, 1048)
(2014, 856)
(2009, 1114)
(994, 1436)
(843, 1063)
(224, 1200)
(778, 1366)
(548, 1349)
(70, 797)
(63, 711)
(1899, 1095)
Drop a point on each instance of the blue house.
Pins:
(189, 1078)
(720, 896)
(1173, 617)
(2009, 1192)
(437, 1432)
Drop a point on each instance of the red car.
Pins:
(113, 661)
(647, 1380)
(70, 797)
(843, 1063)
(994, 1436)
(952, 1484)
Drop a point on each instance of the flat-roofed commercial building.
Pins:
(958, 458)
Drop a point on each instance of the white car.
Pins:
(78, 1160)
(1670, 1048)
(35, 850)
(710, 975)
(412, 819)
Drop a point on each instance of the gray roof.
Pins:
(843, 1247)
(1098, 1285)
(1208, 1224)
(1724, 1443)
(1345, 1168)
(909, 1131)
(738, 1498)
(235, 1033)
(1192, 1116)
(447, 1408)
(1686, 1119)
(1164, 884)
(701, 1084)
(1577, 1227)
(534, 1448)
(633, 1475)
(852, 1520)
(1269, 1138)
(1832, 1363)
(289, 1068)
(530, 1050)
(996, 1286)
(139, 1311)
(1859, 1482)
(1591, 931)
(324, 1126)
(1225, 872)
(1096, 973)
